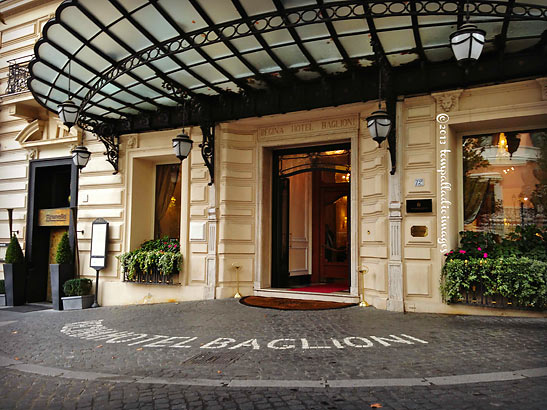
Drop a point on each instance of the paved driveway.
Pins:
(221, 354)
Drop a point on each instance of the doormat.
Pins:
(27, 308)
(324, 288)
(291, 304)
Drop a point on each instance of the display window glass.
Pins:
(504, 181)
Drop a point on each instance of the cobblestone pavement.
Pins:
(221, 354)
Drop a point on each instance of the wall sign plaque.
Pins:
(419, 205)
(54, 217)
(418, 231)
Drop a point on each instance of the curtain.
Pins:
(166, 180)
(474, 193)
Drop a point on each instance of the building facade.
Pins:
(299, 198)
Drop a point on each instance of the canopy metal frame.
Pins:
(110, 107)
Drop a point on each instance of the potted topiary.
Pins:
(2, 293)
(78, 294)
(15, 273)
(61, 271)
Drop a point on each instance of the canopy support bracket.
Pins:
(111, 141)
(208, 148)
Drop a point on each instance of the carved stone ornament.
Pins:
(543, 84)
(448, 101)
(32, 153)
(132, 142)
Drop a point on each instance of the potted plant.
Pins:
(15, 273)
(61, 271)
(2, 293)
(78, 294)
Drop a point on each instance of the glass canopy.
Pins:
(120, 58)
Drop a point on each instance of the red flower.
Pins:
(462, 251)
(485, 255)
(479, 248)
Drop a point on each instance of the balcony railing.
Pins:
(18, 75)
(153, 276)
(475, 296)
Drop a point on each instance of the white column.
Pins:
(395, 301)
(211, 259)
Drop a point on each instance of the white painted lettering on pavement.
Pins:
(95, 330)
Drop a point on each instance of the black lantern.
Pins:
(68, 113)
(68, 110)
(80, 156)
(379, 122)
(467, 43)
(379, 125)
(182, 144)
(513, 142)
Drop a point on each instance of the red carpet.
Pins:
(325, 288)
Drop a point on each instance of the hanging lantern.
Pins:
(379, 125)
(80, 156)
(182, 144)
(68, 113)
(467, 43)
(513, 142)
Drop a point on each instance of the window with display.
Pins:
(167, 209)
(504, 180)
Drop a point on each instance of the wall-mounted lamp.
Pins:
(80, 156)
(379, 123)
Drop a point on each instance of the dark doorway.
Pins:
(53, 190)
(311, 189)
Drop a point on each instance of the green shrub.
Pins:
(523, 280)
(64, 253)
(526, 241)
(78, 287)
(2, 286)
(162, 255)
(14, 253)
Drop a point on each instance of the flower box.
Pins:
(154, 262)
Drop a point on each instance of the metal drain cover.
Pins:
(213, 358)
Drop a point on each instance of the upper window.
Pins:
(167, 209)
(505, 181)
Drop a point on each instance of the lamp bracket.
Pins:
(208, 148)
(391, 104)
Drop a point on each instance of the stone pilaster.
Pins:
(395, 267)
(211, 258)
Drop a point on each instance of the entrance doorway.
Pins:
(311, 219)
(53, 191)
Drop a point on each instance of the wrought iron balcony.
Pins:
(18, 75)
(476, 296)
(153, 276)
